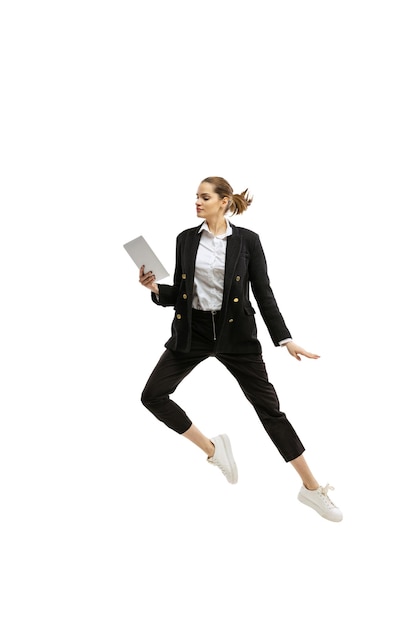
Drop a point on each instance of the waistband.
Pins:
(203, 314)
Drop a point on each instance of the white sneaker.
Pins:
(319, 500)
(223, 458)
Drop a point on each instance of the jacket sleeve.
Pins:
(263, 293)
(168, 293)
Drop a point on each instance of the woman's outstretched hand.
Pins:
(148, 280)
(295, 350)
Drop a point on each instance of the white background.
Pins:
(111, 114)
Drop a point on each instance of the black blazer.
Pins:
(245, 263)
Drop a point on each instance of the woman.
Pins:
(215, 264)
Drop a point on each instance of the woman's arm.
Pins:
(263, 293)
(267, 303)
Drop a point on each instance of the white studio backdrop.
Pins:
(111, 115)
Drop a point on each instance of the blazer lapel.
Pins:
(190, 252)
(233, 248)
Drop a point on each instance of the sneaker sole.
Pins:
(228, 451)
(316, 508)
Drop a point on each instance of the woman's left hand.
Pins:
(295, 350)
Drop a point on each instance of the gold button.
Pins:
(178, 316)
(237, 278)
(185, 296)
(231, 320)
(183, 276)
(236, 299)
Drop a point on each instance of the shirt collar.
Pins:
(228, 231)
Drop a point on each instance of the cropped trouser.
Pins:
(248, 369)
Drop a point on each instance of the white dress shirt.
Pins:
(210, 271)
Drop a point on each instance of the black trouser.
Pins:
(248, 369)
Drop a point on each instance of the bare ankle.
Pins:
(311, 486)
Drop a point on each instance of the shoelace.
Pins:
(324, 492)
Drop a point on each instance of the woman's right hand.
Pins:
(148, 280)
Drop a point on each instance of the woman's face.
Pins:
(209, 205)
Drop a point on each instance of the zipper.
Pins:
(213, 325)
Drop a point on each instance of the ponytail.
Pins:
(239, 203)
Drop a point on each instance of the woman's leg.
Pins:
(194, 435)
(251, 375)
(305, 473)
(250, 372)
(170, 370)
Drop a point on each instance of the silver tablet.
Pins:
(141, 254)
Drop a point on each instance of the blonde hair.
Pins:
(237, 203)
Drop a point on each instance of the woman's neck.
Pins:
(217, 226)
